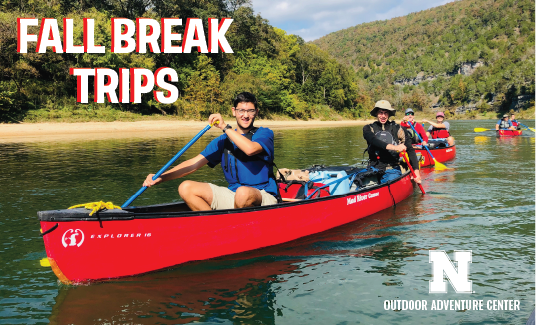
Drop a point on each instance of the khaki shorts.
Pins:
(223, 198)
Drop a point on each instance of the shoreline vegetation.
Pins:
(101, 127)
(108, 114)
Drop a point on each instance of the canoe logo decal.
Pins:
(72, 237)
(449, 150)
(115, 236)
(359, 198)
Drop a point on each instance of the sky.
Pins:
(312, 19)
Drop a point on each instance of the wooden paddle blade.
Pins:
(439, 166)
(481, 129)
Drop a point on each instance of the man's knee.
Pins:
(242, 195)
(189, 188)
(247, 196)
(185, 188)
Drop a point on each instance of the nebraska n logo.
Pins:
(442, 265)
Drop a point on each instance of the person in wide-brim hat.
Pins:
(382, 104)
(385, 140)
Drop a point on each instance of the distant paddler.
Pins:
(514, 122)
(409, 117)
(505, 124)
(439, 130)
(386, 139)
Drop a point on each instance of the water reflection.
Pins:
(241, 288)
(485, 204)
(207, 291)
(481, 140)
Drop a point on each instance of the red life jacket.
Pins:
(514, 123)
(439, 133)
(413, 134)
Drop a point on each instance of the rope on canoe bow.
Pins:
(97, 206)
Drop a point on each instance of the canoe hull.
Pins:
(132, 244)
(440, 154)
(509, 133)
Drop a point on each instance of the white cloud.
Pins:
(312, 19)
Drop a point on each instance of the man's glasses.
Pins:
(407, 114)
(250, 112)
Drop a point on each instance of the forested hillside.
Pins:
(472, 53)
(466, 54)
(289, 76)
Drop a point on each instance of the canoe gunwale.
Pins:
(130, 214)
(440, 154)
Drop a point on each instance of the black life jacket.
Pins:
(505, 124)
(379, 157)
(412, 134)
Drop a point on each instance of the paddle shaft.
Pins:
(404, 156)
(425, 147)
(166, 166)
(526, 126)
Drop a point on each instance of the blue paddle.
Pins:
(166, 166)
(437, 164)
(526, 127)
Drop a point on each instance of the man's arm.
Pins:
(436, 125)
(413, 161)
(186, 167)
(249, 147)
(409, 148)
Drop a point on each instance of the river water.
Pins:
(485, 204)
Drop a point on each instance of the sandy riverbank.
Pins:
(35, 132)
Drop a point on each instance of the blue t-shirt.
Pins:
(263, 136)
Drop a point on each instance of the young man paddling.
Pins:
(410, 118)
(440, 129)
(246, 155)
(385, 140)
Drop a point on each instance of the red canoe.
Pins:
(509, 133)
(137, 240)
(440, 154)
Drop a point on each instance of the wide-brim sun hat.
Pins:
(383, 104)
(506, 115)
(440, 114)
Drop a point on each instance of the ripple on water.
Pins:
(484, 204)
